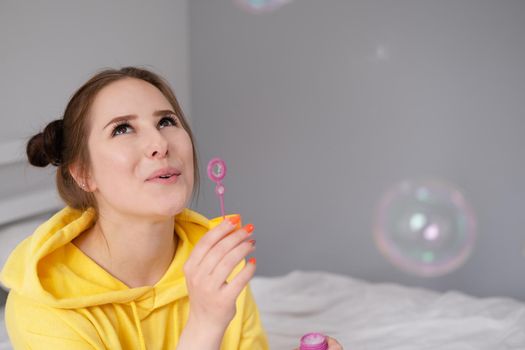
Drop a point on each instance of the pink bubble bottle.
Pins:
(313, 341)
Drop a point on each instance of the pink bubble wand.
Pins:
(217, 172)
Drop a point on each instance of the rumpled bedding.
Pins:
(362, 315)
(367, 316)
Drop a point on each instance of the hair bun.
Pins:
(46, 147)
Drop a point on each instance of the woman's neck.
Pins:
(137, 253)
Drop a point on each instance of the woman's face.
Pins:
(125, 153)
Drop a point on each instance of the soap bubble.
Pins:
(426, 228)
(261, 6)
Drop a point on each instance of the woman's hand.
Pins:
(332, 344)
(212, 299)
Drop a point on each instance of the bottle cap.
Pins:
(313, 341)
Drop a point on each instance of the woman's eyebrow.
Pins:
(158, 113)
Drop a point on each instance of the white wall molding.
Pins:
(12, 152)
(23, 205)
(28, 204)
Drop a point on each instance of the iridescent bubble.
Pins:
(426, 227)
(261, 6)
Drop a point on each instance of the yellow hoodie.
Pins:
(61, 299)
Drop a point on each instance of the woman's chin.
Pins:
(168, 209)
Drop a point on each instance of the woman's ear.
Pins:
(83, 180)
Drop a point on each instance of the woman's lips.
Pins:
(170, 180)
(163, 171)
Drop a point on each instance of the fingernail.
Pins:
(252, 261)
(249, 228)
(252, 241)
(235, 219)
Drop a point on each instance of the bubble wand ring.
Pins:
(217, 172)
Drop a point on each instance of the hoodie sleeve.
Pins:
(253, 333)
(38, 327)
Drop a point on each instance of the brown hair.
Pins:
(64, 141)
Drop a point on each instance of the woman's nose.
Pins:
(157, 146)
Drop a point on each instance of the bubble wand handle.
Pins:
(217, 172)
(219, 190)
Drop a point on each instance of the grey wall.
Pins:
(357, 95)
(48, 49)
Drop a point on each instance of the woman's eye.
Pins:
(123, 127)
(120, 127)
(169, 120)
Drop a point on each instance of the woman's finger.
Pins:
(225, 267)
(333, 344)
(209, 240)
(234, 288)
(222, 248)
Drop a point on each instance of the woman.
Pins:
(125, 265)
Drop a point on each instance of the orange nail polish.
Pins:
(252, 261)
(235, 219)
(252, 241)
(249, 228)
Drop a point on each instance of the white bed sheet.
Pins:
(366, 316)
(363, 315)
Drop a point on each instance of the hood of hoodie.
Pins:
(49, 269)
